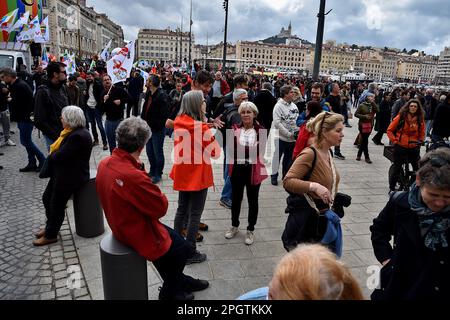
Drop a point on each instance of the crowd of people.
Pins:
(238, 115)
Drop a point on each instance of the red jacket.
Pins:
(224, 87)
(302, 141)
(133, 205)
(194, 146)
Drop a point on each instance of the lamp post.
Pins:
(225, 6)
(190, 41)
(79, 28)
(319, 39)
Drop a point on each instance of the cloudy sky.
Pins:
(410, 24)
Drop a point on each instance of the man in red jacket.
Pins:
(133, 206)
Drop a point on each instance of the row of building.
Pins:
(74, 27)
(295, 56)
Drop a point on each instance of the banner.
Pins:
(44, 37)
(31, 31)
(71, 66)
(105, 53)
(120, 65)
(33, 7)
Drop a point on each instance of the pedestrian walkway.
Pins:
(232, 267)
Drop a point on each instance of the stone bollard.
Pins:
(124, 271)
(88, 211)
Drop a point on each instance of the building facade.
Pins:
(165, 45)
(272, 56)
(78, 29)
(335, 60)
(443, 67)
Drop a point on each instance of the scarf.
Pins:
(433, 226)
(57, 144)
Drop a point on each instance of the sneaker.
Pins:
(249, 237)
(10, 143)
(368, 160)
(231, 233)
(274, 181)
(358, 158)
(225, 203)
(203, 226)
(339, 156)
(197, 257)
(105, 147)
(156, 180)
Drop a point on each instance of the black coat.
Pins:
(114, 112)
(441, 121)
(48, 105)
(265, 102)
(414, 271)
(383, 117)
(157, 112)
(97, 91)
(69, 165)
(22, 103)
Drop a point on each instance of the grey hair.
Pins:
(250, 106)
(284, 91)
(132, 134)
(74, 117)
(267, 86)
(435, 168)
(372, 87)
(237, 93)
(191, 105)
(8, 72)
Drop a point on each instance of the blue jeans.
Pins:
(111, 127)
(227, 191)
(25, 130)
(155, 153)
(285, 151)
(95, 118)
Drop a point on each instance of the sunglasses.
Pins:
(327, 114)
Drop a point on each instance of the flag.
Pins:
(105, 53)
(7, 21)
(71, 66)
(30, 31)
(44, 37)
(119, 67)
(144, 75)
(23, 20)
(33, 7)
(44, 62)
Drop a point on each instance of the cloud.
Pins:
(421, 25)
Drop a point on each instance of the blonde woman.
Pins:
(312, 182)
(310, 272)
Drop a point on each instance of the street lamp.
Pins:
(225, 7)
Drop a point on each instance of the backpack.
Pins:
(231, 115)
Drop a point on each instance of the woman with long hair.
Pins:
(406, 132)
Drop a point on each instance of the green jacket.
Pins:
(364, 111)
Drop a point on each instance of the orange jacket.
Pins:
(194, 146)
(409, 134)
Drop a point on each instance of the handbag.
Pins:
(366, 127)
(45, 170)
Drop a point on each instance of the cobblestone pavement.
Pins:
(28, 272)
(232, 267)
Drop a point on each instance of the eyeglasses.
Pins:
(327, 114)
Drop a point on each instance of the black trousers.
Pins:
(133, 104)
(171, 265)
(55, 201)
(240, 179)
(364, 145)
(377, 138)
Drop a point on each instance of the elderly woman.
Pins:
(312, 181)
(247, 168)
(192, 173)
(310, 272)
(68, 163)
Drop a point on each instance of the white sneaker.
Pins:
(249, 238)
(231, 233)
(10, 143)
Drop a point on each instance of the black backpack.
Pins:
(231, 115)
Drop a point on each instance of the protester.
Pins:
(406, 132)
(366, 113)
(247, 169)
(265, 102)
(50, 99)
(93, 98)
(21, 106)
(312, 182)
(4, 118)
(383, 119)
(415, 264)
(135, 89)
(68, 163)
(441, 127)
(192, 171)
(73, 92)
(133, 206)
(310, 272)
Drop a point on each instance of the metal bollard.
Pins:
(88, 211)
(124, 271)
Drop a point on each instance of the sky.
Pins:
(410, 24)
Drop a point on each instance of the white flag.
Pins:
(144, 75)
(71, 66)
(44, 37)
(30, 31)
(105, 53)
(23, 20)
(7, 21)
(120, 65)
